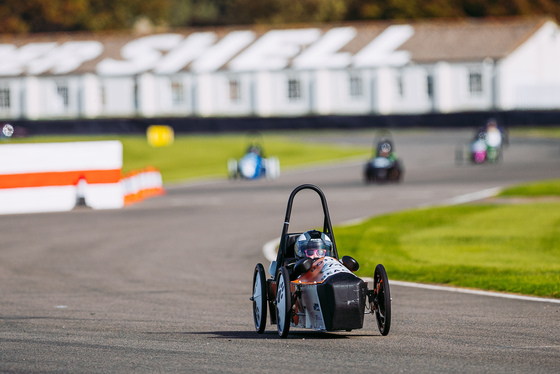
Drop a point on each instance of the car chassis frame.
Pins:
(338, 301)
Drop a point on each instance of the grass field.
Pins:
(469, 246)
(501, 247)
(533, 132)
(549, 187)
(200, 156)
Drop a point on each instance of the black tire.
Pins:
(382, 300)
(283, 302)
(367, 174)
(394, 174)
(259, 298)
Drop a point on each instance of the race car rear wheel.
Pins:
(283, 302)
(382, 299)
(259, 298)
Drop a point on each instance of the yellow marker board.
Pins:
(160, 135)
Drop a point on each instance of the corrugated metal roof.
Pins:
(467, 40)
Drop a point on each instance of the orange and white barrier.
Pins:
(139, 185)
(48, 177)
(53, 177)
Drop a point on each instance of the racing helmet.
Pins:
(313, 244)
(491, 122)
(384, 148)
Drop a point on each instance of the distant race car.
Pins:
(384, 166)
(253, 165)
(310, 287)
(485, 147)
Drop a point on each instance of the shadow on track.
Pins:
(312, 335)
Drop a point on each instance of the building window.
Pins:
(62, 91)
(234, 90)
(4, 98)
(475, 83)
(294, 89)
(430, 86)
(356, 86)
(177, 93)
(136, 95)
(102, 95)
(400, 85)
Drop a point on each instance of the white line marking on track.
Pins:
(270, 248)
(473, 196)
(473, 292)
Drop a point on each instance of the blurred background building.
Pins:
(356, 68)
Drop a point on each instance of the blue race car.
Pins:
(253, 165)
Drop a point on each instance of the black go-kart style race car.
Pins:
(384, 165)
(310, 287)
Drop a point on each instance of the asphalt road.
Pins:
(164, 285)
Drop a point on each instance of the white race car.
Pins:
(311, 288)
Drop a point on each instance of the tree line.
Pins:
(32, 16)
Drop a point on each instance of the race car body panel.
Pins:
(382, 169)
(322, 269)
(329, 283)
(251, 166)
(346, 294)
(382, 162)
(308, 313)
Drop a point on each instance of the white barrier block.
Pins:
(71, 156)
(37, 200)
(105, 196)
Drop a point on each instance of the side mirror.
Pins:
(272, 269)
(350, 263)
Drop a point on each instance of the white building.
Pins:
(344, 69)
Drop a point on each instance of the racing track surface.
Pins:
(164, 285)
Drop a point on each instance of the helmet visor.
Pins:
(316, 248)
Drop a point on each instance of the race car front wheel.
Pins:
(259, 298)
(381, 299)
(283, 302)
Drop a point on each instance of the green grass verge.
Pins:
(198, 156)
(549, 187)
(510, 248)
(536, 132)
